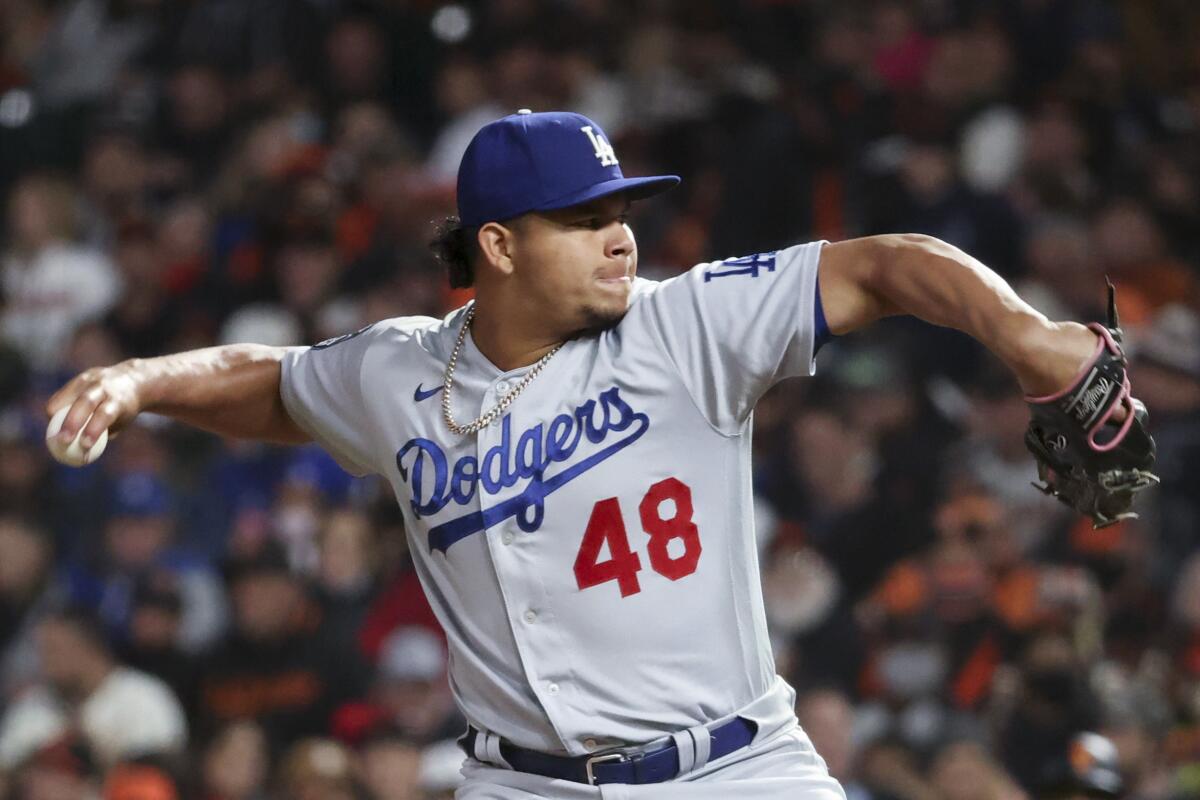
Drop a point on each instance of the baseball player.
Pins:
(571, 452)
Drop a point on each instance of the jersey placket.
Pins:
(513, 552)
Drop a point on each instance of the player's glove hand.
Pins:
(1091, 465)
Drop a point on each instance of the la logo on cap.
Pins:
(604, 150)
(538, 162)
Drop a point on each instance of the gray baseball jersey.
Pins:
(591, 554)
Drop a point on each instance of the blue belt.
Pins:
(655, 764)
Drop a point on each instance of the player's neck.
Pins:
(506, 342)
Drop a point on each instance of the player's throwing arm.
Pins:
(232, 391)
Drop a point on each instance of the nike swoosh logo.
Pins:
(422, 394)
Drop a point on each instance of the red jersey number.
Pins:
(605, 526)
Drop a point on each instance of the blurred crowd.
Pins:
(198, 618)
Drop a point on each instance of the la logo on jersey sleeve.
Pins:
(752, 266)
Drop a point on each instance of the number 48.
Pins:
(622, 565)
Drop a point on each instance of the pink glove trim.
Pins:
(1105, 340)
(1122, 399)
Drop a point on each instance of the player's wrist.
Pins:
(1050, 355)
(143, 389)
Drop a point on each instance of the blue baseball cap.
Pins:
(539, 162)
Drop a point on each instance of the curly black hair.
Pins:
(457, 247)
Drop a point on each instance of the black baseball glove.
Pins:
(1094, 466)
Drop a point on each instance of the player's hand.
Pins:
(101, 398)
(1085, 460)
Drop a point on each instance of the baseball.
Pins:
(73, 454)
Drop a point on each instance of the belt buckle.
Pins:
(601, 759)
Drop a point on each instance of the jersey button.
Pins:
(502, 388)
(507, 537)
(589, 745)
(552, 688)
(531, 616)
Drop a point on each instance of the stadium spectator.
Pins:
(1055, 703)
(273, 665)
(26, 593)
(26, 485)
(1168, 356)
(152, 643)
(118, 712)
(235, 764)
(346, 580)
(828, 717)
(63, 768)
(392, 766)
(318, 769)
(50, 284)
(407, 694)
(963, 770)
(138, 546)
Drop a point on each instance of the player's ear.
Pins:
(496, 246)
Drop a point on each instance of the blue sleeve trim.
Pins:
(821, 333)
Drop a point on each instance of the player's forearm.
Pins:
(231, 390)
(939, 283)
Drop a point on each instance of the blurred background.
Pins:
(198, 618)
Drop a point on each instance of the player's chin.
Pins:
(600, 316)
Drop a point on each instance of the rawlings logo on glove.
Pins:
(1094, 467)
